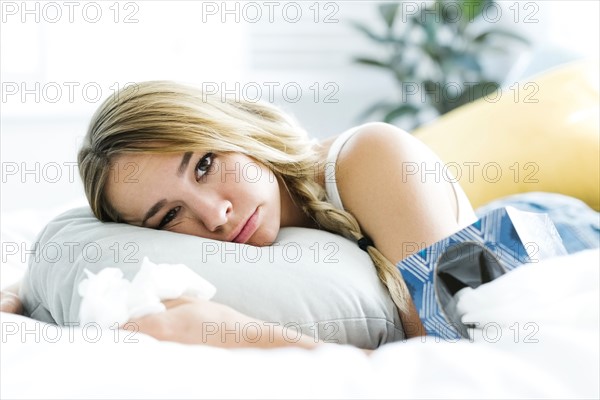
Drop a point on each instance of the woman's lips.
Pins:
(248, 230)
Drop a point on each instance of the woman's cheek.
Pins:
(266, 237)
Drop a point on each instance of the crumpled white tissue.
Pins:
(110, 300)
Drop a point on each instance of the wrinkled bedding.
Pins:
(537, 338)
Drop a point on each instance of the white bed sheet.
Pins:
(558, 358)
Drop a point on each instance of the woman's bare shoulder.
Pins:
(375, 177)
(364, 136)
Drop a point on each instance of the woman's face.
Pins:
(228, 196)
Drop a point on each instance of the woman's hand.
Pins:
(10, 303)
(9, 299)
(196, 321)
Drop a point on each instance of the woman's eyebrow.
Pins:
(185, 160)
(153, 210)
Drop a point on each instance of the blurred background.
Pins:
(332, 64)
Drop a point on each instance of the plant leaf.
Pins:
(384, 106)
(401, 67)
(500, 32)
(474, 8)
(372, 35)
(372, 62)
(400, 111)
(448, 14)
(428, 23)
(454, 60)
(465, 61)
(388, 12)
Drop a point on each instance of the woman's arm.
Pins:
(195, 321)
(394, 185)
(9, 299)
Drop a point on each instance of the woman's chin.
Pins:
(265, 239)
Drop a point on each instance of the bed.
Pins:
(537, 337)
(537, 333)
(540, 341)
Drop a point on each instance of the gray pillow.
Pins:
(317, 281)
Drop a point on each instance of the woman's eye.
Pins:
(204, 165)
(170, 216)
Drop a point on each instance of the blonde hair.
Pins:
(166, 117)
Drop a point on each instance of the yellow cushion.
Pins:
(543, 136)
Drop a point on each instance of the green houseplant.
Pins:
(434, 51)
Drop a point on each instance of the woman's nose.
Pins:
(211, 210)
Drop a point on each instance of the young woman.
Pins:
(166, 156)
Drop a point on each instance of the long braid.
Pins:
(342, 222)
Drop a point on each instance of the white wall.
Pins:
(56, 65)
